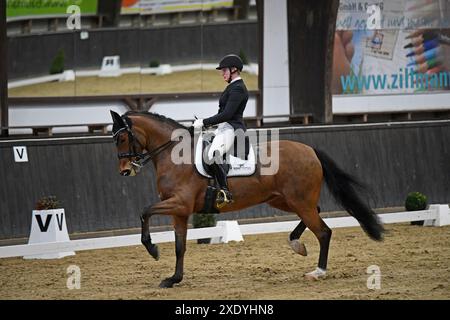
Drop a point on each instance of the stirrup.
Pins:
(222, 198)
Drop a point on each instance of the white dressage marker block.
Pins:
(164, 69)
(231, 232)
(49, 226)
(110, 67)
(68, 75)
(442, 216)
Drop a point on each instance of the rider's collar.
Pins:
(235, 79)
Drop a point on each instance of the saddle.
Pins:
(241, 163)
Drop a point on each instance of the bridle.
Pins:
(141, 159)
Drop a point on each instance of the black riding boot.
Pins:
(224, 195)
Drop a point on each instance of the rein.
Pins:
(143, 159)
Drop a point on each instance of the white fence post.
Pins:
(442, 215)
(231, 232)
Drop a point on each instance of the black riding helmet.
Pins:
(230, 61)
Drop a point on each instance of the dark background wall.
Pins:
(311, 26)
(393, 159)
(32, 55)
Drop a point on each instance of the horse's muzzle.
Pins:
(128, 172)
(127, 168)
(125, 173)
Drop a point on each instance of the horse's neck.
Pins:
(157, 134)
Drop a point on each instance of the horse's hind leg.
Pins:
(298, 231)
(323, 234)
(294, 239)
(312, 220)
(295, 235)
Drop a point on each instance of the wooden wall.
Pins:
(393, 159)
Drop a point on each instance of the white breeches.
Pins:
(223, 140)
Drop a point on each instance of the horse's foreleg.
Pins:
(145, 234)
(180, 211)
(180, 224)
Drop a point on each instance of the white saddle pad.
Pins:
(239, 167)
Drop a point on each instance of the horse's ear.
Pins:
(117, 119)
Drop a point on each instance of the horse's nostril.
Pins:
(125, 172)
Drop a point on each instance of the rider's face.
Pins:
(225, 73)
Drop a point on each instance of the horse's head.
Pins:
(129, 146)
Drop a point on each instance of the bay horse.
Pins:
(295, 187)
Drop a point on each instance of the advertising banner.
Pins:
(161, 6)
(395, 46)
(32, 8)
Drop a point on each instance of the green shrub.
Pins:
(243, 56)
(416, 201)
(154, 64)
(204, 220)
(58, 63)
(47, 203)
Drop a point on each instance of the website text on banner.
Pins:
(378, 45)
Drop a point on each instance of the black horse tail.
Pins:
(343, 188)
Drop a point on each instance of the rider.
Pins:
(232, 103)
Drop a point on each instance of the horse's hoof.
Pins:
(169, 282)
(154, 251)
(316, 274)
(166, 283)
(298, 247)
